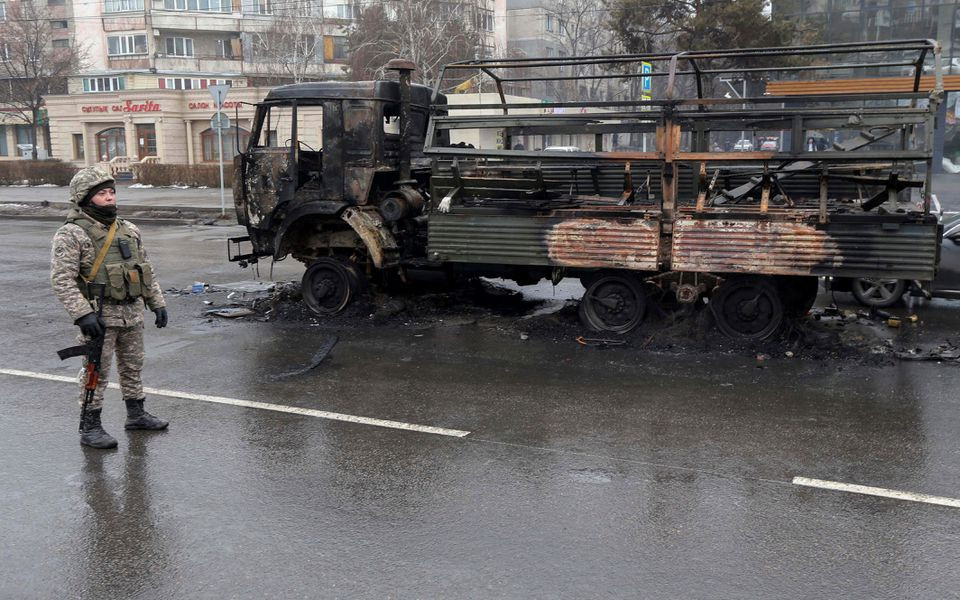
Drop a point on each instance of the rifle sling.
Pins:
(103, 253)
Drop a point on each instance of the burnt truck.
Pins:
(683, 193)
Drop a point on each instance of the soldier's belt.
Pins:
(109, 301)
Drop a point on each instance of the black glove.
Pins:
(91, 325)
(161, 317)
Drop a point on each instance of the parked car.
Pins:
(770, 144)
(881, 293)
(743, 145)
(561, 149)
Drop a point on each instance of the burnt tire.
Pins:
(328, 286)
(878, 292)
(747, 308)
(613, 303)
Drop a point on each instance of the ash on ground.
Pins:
(495, 305)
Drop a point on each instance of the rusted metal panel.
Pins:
(483, 237)
(380, 243)
(903, 251)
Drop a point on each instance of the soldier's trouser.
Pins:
(127, 344)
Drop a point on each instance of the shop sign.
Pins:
(127, 107)
(209, 105)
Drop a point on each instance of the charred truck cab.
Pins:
(335, 176)
(662, 206)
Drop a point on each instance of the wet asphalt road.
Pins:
(585, 474)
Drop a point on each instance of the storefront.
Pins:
(15, 135)
(173, 125)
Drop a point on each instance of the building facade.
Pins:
(143, 90)
(838, 21)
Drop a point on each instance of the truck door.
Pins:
(268, 170)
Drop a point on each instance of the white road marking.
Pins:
(876, 491)
(307, 412)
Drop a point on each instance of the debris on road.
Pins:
(231, 312)
(600, 342)
(325, 347)
(945, 352)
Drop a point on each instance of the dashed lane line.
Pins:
(876, 491)
(307, 412)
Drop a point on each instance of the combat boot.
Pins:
(137, 418)
(92, 433)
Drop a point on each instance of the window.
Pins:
(119, 45)
(56, 2)
(178, 46)
(225, 48)
(78, 153)
(335, 47)
(146, 140)
(112, 6)
(549, 24)
(260, 7)
(103, 84)
(180, 83)
(58, 24)
(111, 143)
(60, 43)
(211, 151)
(3, 11)
(23, 133)
(346, 11)
(187, 83)
(4, 51)
(199, 5)
(485, 20)
(4, 151)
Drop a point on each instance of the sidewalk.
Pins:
(207, 201)
(195, 198)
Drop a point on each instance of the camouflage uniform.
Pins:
(73, 254)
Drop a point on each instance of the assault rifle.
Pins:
(92, 349)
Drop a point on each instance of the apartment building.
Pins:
(143, 91)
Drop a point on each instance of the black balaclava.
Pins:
(104, 214)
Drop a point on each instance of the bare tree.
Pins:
(579, 28)
(293, 44)
(31, 66)
(431, 33)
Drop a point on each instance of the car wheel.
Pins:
(878, 293)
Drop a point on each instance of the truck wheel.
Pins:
(878, 293)
(614, 302)
(747, 307)
(327, 286)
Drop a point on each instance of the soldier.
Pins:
(94, 246)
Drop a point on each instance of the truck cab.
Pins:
(317, 149)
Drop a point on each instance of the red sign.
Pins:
(209, 105)
(127, 107)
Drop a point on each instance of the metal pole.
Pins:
(223, 206)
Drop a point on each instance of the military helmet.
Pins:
(87, 179)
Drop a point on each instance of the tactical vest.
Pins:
(126, 278)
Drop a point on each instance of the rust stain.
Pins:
(605, 243)
(780, 248)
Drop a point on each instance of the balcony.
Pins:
(198, 64)
(180, 20)
(128, 62)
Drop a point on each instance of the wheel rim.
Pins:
(327, 287)
(748, 308)
(614, 303)
(881, 290)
